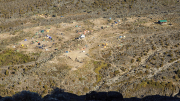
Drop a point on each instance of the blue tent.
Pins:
(50, 37)
(66, 51)
(120, 36)
(115, 22)
(25, 40)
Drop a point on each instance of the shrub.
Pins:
(39, 83)
(146, 66)
(171, 55)
(145, 54)
(10, 68)
(123, 69)
(169, 84)
(116, 72)
(81, 79)
(163, 77)
(139, 59)
(45, 91)
(147, 72)
(45, 86)
(161, 65)
(153, 48)
(7, 72)
(19, 83)
(154, 58)
(178, 72)
(162, 59)
(25, 69)
(132, 60)
(175, 77)
(85, 89)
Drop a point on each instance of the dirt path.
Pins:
(25, 64)
(162, 68)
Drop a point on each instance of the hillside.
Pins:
(124, 48)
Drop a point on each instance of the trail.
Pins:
(25, 64)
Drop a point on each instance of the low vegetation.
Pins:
(11, 57)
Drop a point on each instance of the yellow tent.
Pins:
(22, 45)
(47, 30)
(104, 46)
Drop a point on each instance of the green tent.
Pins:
(162, 21)
(42, 31)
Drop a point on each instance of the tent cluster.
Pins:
(122, 36)
(116, 22)
(47, 30)
(82, 34)
(39, 34)
(104, 45)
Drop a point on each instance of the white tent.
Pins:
(82, 36)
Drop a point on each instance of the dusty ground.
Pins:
(102, 44)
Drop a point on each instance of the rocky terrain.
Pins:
(123, 51)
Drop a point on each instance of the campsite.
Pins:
(81, 53)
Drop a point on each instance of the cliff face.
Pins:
(59, 95)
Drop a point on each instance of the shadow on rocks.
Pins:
(59, 95)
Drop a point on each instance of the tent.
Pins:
(42, 31)
(66, 51)
(82, 36)
(84, 32)
(25, 39)
(120, 36)
(39, 43)
(47, 30)
(162, 21)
